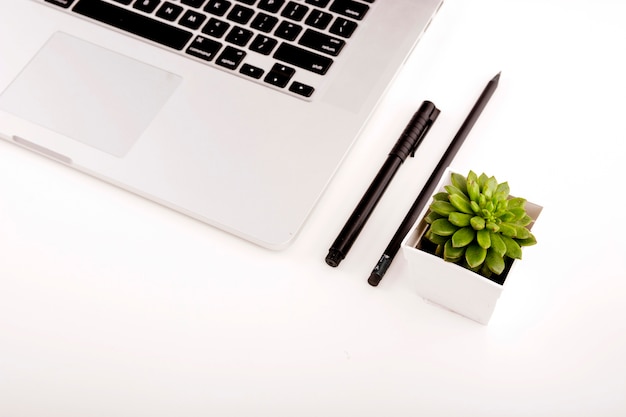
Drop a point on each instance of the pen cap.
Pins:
(415, 130)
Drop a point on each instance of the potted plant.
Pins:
(463, 247)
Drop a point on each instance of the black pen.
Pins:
(394, 245)
(406, 145)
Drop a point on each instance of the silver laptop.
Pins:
(234, 112)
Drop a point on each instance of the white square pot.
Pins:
(450, 285)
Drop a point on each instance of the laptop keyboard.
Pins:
(285, 44)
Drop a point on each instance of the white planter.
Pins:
(450, 285)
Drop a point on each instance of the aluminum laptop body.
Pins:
(244, 140)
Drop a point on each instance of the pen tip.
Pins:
(496, 77)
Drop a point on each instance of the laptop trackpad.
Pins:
(88, 93)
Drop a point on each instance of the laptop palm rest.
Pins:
(88, 93)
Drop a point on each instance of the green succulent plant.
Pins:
(476, 224)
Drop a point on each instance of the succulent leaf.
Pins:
(524, 221)
(513, 250)
(452, 254)
(442, 196)
(478, 223)
(459, 181)
(521, 232)
(460, 219)
(529, 241)
(463, 237)
(451, 189)
(483, 237)
(507, 217)
(442, 208)
(490, 187)
(497, 244)
(475, 255)
(517, 212)
(431, 217)
(494, 262)
(473, 189)
(482, 180)
(502, 191)
(516, 202)
(436, 239)
(443, 227)
(507, 230)
(461, 203)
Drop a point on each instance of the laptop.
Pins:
(234, 112)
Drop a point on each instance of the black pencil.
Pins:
(411, 217)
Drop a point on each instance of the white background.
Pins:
(111, 305)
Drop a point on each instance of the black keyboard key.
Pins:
(321, 42)
(350, 8)
(301, 89)
(147, 6)
(263, 44)
(343, 27)
(217, 7)
(239, 36)
(124, 2)
(240, 14)
(318, 3)
(272, 6)
(204, 48)
(230, 58)
(287, 30)
(319, 19)
(251, 71)
(169, 11)
(193, 3)
(247, 1)
(302, 58)
(215, 28)
(279, 75)
(63, 3)
(264, 22)
(192, 19)
(134, 23)
(294, 11)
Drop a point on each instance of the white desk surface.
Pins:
(114, 306)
